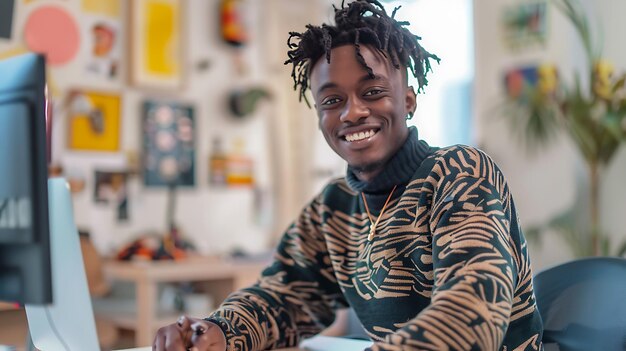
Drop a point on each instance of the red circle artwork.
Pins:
(52, 31)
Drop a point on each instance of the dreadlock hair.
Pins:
(361, 22)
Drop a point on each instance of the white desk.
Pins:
(222, 276)
(150, 349)
(316, 343)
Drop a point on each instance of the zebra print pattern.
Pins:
(448, 268)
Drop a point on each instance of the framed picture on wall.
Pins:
(156, 51)
(524, 83)
(110, 187)
(168, 144)
(94, 123)
(525, 24)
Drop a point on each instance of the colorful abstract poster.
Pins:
(94, 121)
(6, 18)
(168, 144)
(156, 58)
(526, 83)
(520, 82)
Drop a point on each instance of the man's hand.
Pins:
(192, 334)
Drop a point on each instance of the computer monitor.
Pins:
(41, 263)
(68, 323)
(25, 274)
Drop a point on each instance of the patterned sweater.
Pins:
(448, 267)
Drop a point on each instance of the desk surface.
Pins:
(150, 349)
(317, 343)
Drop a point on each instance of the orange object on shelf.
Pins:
(232, 26)
(240, 167)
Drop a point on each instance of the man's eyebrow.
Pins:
(325, 86)
(377, 77)
(364, 78)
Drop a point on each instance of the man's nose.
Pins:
(354, 110)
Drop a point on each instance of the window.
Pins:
(444, 111)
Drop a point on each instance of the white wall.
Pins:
(543, 185)
(283, 136)
(216, 220)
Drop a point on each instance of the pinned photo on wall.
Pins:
(6, 18)
(168, 144)
(104, 49)
(112, 188)
(94, 121)
(156, 45)
(525, 25)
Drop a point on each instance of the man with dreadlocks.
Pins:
(423, 243)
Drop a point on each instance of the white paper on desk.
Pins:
(329, 343)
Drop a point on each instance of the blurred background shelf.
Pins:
(215, 276)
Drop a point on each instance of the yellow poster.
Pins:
(157, 54)
(109, 8)
(94, 121)
(161, 38)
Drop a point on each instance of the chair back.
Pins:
(583, 304)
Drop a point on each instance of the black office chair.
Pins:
(583, 305)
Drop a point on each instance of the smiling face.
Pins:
(363, 119)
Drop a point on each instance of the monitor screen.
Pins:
(24, 228)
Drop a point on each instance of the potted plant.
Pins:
(591, 112)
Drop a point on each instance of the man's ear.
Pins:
(410, 100)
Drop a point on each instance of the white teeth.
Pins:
(360, 136)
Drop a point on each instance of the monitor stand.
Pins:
(68, 323)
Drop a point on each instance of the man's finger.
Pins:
(159, 343)
(199, 327)
(207, 337)
(183, 322)
(174, 341)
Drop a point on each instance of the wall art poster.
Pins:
(168, 144)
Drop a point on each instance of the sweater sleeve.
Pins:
(474, 272)
(295, 297)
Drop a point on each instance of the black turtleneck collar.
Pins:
(398, 171)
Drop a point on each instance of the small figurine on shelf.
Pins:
(153, 247)
(171, 246)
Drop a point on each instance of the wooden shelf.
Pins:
(217, 277)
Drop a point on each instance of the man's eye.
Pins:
(373, 92)
(330, 101)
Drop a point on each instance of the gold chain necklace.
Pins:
(373, 224)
